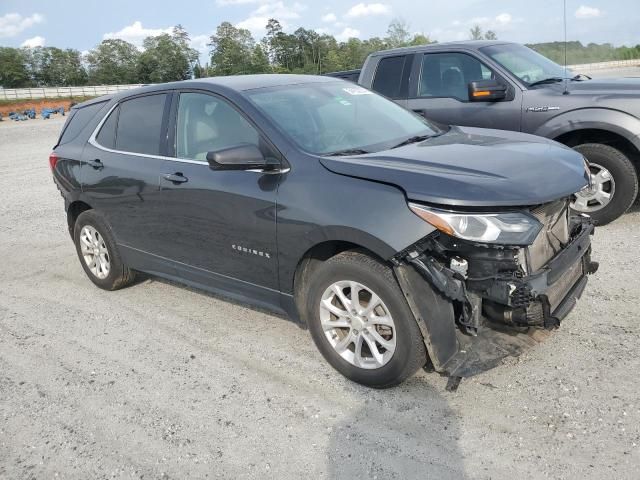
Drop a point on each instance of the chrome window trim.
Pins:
(94, 142)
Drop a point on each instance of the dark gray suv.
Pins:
(496, 84)
(398, 243)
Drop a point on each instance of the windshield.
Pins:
(325, 118)
(526, 64)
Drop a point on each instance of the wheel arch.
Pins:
(316, 255)
(603, 136)
(74, 210)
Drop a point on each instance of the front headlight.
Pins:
(509, 228)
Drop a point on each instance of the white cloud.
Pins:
(257, 22)
(136, 33)
(367, 9)
(459, 29)
(584, 12)
(329, 17)
(11, 24)
(504, 19)
(33, 42)
(224, 3)
(347, 33)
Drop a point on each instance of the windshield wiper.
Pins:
(346, 152)
(414, 139)
(578, 77)
(546, 80)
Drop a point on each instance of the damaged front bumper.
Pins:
(477, 304)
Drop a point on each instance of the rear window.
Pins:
(139, 127)
(78, 119)
(392, 76)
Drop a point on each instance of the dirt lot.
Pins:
(161, 381)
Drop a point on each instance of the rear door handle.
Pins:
(175, 178)
(96, 164)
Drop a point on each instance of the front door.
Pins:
(220, 225)
(440, 93)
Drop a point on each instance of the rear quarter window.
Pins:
(392, 76)
(78, 119)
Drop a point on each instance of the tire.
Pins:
(623, 184)
(117, 275)
(409, 352)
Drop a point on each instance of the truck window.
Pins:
(449, 75)
(392, 76)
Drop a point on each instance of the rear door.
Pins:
(122, 164)
(439, 91)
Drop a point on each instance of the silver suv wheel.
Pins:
(357, 324)
(94, 251)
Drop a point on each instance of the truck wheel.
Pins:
(614, 184)
(360, 321)
(98, 252)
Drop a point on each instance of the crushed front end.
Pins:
(486, 300)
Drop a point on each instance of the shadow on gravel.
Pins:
(403, 433)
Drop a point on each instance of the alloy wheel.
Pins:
(598, 194)
(94, 251)
(357, 324)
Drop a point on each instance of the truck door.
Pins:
(439, 91)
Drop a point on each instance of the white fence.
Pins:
(58, 92)
(606, 65)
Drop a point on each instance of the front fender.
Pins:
(614, 121)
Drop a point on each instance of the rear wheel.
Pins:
(360, 321)
(98, 253)
(614, 184)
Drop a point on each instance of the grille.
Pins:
(554, 235)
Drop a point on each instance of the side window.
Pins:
(206, 123)
(449, 75)
(107, 134)
(391, 76)
(139, 127)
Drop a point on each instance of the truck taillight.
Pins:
(53, 159)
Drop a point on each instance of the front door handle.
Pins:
(96, 164)
(175, 178)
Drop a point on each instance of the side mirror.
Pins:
(487, 91)
(238, 157)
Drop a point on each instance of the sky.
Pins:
(82, 24)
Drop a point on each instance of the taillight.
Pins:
(53, 159)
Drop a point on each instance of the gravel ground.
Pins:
(162, 381)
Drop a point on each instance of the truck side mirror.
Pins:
(487, 91)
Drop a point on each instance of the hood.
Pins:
(606, 86)
(473, 167)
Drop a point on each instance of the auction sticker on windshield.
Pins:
(357, 91)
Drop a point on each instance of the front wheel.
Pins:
(614, 184)
(361, 323)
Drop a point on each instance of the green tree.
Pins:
(231, 50)
(13, 69)
(163, 60)
(490, 35)
(259, 60)
(475, 33)
(398, 33)
(51, 66)
(112, 62)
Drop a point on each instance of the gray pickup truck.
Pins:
(501, 85)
